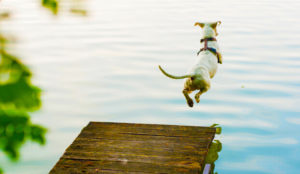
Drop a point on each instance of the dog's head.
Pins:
(209, 28)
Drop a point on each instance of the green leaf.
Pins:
(213, 151)
(20, 95)
(218, 129)
(16, 90)
(11, 69)
(51, 5)
(218, 145)
(16, 129)
(37, 133)
(214, 125)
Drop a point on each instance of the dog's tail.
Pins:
(171, 76)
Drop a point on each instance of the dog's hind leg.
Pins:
(197, 96)
(188, 98)
(201, 91)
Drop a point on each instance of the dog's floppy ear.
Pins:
(214, 25)
(200, 24)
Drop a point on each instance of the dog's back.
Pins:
(208, 61)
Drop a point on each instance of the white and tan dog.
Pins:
(206, 65)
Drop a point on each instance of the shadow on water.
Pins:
(17, 97)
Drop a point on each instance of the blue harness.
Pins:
(212, 50)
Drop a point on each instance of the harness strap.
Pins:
(208, 39)
(212, 50)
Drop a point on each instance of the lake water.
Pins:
(103, 67)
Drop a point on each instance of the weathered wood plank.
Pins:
(132, 157)
(136, 148)
(150, 126)
(144, 140)
(91, 166)
(144, 129)
(134, 137)
(140, 144)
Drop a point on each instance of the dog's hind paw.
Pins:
(197, 99)
(190, 103)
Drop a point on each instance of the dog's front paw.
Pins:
(190, 103)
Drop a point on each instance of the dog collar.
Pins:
(208, 39)
(212, 50)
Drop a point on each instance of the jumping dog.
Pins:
(206, 65)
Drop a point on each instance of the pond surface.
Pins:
(103, 67)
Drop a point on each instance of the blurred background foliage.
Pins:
(18, 95)
(52, 5)
(75, 6)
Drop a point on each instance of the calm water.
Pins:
(104, 68)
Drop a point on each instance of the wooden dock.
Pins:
(103, 147)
